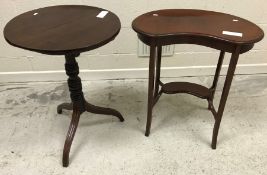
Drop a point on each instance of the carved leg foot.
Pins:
(101, 110)
(72, 129)
(67, 106)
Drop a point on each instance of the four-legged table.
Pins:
(220, 31)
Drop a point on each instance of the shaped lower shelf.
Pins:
(185, 87)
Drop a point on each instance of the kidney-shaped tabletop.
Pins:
(212, 29)
(58, 30)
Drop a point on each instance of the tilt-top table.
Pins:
(220, 31)
(66, 30)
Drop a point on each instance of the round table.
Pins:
(220, 31)
(66, 30)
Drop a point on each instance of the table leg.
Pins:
(226, 89)
(101, 110)
(216, 78)
(79, 104)
(66, 106)
(158, 66)
(151, 83)
(71, 133)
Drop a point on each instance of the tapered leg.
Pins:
(226, 88)
(67, 106)
(151, 83)
(101, 110)
(71, 133)
(158, 66)
(216, 78)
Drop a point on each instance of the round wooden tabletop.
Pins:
(189, 22)
(61, 29)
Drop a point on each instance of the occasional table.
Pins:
(220, 31)
(66, 30)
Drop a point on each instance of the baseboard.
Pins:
(135, 73)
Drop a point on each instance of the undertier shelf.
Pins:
(185, 87)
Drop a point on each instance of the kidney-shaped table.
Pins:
(220, 31)
(66, 30)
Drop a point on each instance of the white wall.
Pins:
(119, 59)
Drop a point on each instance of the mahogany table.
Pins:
(66, 30)
(220, 31)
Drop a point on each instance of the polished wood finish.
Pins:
(216, 78)
(66, 30)
(58, 30)
(185, 87)
(197, 23)
(151, 88)
(78, 105)
(225, 92)
(188, 26)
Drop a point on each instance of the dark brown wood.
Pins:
(186, 87)
(196, 23)
(70, 135)
(216, 78)
(101, 110)
(79, 104)
(188, 26)
(58, 30)
(151, 88)
(66, 106)
(158, 65)
(226, 89)
(66, 30)
(212, 109)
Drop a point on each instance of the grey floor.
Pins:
(32, 134)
